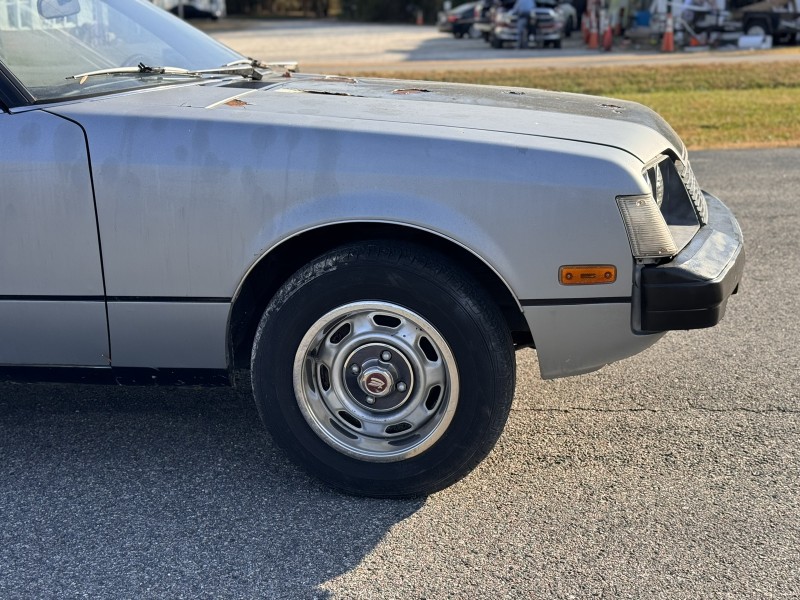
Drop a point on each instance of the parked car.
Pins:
(566, 13)
(459, 21)
(192, 12)
(482, 17)
(546, 28)
(194, 9)
(372, 250)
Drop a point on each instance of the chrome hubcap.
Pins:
(376, 381)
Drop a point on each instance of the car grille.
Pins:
(684, 169)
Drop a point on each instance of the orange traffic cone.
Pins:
(608, 35)
(668, 42)
(593, 41)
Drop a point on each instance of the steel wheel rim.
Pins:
(400, 400)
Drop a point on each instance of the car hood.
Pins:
(627, 126)
(552, 114)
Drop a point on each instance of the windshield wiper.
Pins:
(290, 65)
(245, 70)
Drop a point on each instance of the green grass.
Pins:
(731, 105)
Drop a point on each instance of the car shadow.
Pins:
(165, 492)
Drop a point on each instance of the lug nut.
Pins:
(355, 369)
(370, 400)
(386, 356)
(401, 387)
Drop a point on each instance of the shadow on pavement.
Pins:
(164, 492)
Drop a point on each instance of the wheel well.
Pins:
(272, 270)
(754, 20)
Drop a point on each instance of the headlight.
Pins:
(654, 175)
(648, 233)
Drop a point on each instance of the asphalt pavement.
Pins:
(674, 474)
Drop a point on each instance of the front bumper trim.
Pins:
(691, 291)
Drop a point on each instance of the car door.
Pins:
(52, 299)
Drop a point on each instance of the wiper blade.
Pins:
(274, 66)
(247, 70)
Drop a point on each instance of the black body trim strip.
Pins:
(116, 376)
(23, 298)
(576, 301)
(165, 299)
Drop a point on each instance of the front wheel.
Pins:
(384, 370)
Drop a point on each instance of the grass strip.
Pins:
(731, 105)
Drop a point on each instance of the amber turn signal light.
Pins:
(587, 274)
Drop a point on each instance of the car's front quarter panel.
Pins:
(189, 199)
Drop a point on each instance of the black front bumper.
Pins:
(692, 290)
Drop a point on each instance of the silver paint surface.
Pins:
(571, 340)
(195, 184)
(53, 333)
(168, 335)
(48, 245)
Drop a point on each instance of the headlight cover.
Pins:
(648, 233)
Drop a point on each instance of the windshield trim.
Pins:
(46, 103)
(12, 91)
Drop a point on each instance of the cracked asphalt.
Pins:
(674, 474)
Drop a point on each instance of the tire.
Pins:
(757, 27)
(495, 42)
(433, 378)
(557, 44)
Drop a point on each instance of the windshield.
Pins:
(42, 42)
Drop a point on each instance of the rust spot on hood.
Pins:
(408, 91)
(235, 102)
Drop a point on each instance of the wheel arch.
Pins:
(276, 265)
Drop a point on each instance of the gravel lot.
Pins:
(670, 475)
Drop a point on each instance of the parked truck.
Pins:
(778, 18)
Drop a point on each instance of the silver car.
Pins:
(372, 250)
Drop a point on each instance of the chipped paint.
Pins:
(613, 107)
(234, 101)
(408, 91)
(338, 78)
